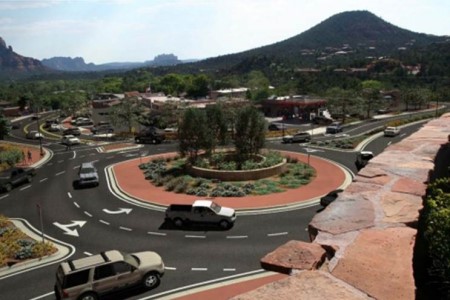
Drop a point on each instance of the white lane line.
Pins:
(125, 228)
(87, 214)
(170, 268)
(25, 187)
(229, 270)
(70, 195)
(195, 236)
(44, 179)
(277, 234)
(87, 253)
(50, 164)
(81, 156)
(199, 269)
(43, 296)
(4, 196)
(157, 233)
(95, 161)
(60, 173)
(237, 236)
(60, 161)
(76, 167)
(92, 154)
(104, 222)
(76, 204)
(110, 157)
(389, 143)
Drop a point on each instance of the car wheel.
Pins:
(29, 178)
(154, 141)
(151, 280)
(137, 140)
(178, 222)
(224, 224)
(8, 187)
(88, 296)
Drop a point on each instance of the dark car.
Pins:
(105, 128)
(15, 176)
(321, 120)
(72, 131)
(362, 158)
(330, 197)
(274, 127)
(334, 127)
(150, 135)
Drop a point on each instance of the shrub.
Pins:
(41, 249)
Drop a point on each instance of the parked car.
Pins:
(334, 127)
(50, 122)
(106, 128)
(70, 140)
(274, 127)
(84, 122)
(330, 197)
(201, 211)
(150, 135)
(87, 175)
(72, 131)
(108, 272)
(298, 137)
(362, 158)
(15, 176)
(391, 131)
(34, 135)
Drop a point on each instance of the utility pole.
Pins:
(41, 151)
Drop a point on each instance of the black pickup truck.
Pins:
(15, 176)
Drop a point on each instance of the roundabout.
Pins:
(130, 183)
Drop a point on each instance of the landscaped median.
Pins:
(16, 246)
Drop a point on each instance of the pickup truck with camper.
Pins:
(201, 211)
(150, 135)
(15, 176)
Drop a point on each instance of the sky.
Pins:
(102, 31)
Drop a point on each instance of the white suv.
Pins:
(90, 277)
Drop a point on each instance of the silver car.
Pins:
(90, 277)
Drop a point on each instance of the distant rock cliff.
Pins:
(76, 64)
(15, 63)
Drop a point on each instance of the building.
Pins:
(298, 106)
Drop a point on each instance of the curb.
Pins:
(63, 252)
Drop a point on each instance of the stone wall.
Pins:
(368, 233)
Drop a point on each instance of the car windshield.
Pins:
(131, 259)
(87, 170)
(215, 207)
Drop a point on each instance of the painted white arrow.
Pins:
(119, 211)
(66, 227)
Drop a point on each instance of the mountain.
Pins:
(349, 33)
(78, 64)
(13, 63)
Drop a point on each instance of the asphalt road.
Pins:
(192, 256)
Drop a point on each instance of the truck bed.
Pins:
(180, 207)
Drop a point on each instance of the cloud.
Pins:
(18, 5)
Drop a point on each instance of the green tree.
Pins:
(371, 95)
(126, 114)
(341, 101)
(193, 134)
(250, 133)
(217, 125)
(258, 86)
(199, 87)
(4, 126)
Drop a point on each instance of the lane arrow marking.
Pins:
(119, 211)
(66, 227)
(310, 150)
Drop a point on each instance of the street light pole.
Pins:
(41, 151)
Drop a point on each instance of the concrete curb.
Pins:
(64, 251)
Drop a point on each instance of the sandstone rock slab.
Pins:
(379, 263)
(294, 255)
(311, 285)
